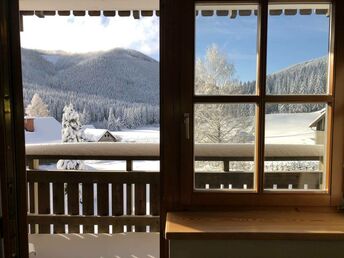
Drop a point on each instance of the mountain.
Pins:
(125, 80)
(120, 74)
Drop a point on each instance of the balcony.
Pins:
(98, 205)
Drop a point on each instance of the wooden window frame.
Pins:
(191, 198)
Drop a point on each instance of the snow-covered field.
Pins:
(280, 129)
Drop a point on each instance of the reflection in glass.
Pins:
(224, 146)
(226, 49)
(295, 140)
(298, 47)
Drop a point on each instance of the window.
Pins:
(261, 105)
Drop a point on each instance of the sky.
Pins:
(89, 34)
(291, 39)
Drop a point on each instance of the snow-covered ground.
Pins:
(280, 129)
(290, 128)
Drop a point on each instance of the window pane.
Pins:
(226, 50)
(224, 146)
(298, 47)
(295, 140)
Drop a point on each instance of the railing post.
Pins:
(34, 164)
(130, 195)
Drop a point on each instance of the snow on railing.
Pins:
(80, 150)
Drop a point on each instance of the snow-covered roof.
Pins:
(290, 128)
(94, 135)
(46, 130)
(320, 117)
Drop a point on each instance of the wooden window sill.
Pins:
(301, 224)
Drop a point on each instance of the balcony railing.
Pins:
(98, 201)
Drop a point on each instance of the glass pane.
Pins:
(224, 146)
(298, 47)
(295, 140)
(226, 50)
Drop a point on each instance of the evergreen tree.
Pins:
(70, 133)
(37, 108)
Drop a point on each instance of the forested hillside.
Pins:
(126, 80)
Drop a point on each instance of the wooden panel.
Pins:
(155, 204)
(140, 204)
(106, 220)
(109, 13)
(87, 205)
(103, 205)
(94, 13)
(32, 203)
(73, 205)
(274, 224)
(92, 177)
(238, 179)
(58, 205)
(79, 13)
(129, 204)
(124, 13)
(43, 205)
(63, 13)
(117, 205)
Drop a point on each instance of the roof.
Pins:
(317, 119)
(53, 5)
(47, 130)
(94, 135)
(145, 8)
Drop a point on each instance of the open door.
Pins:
(12, 175)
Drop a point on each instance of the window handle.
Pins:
(187, 125)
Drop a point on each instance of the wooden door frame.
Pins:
(12, 150)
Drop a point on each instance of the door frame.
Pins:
(12, 148)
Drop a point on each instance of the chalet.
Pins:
(319, 125)
(42, 130)
(187, 213)
(99, 135)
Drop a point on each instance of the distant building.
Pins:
(319, 124)
(99, 135)
(42, 130)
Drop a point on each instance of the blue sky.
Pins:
(291, 40)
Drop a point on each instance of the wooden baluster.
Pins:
(73, 205)
(117, 205)
(140, 204)
(103, 205)
(58, 205)
(87, 204)
(31, 197)
(155, 203)
(129, 195)
(43, 200)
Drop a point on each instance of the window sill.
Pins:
(283, 224)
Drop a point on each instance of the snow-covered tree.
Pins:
(85, 117)
(114, 124)
(37, 108)
(70, 133)
(220, 123)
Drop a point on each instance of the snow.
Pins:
(291, 128)
(47, 130)
(51, 58)
(143, 135)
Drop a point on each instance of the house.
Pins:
(42, 130)
(319, 125)
(99, 135)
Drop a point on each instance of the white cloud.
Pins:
(88, 34)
